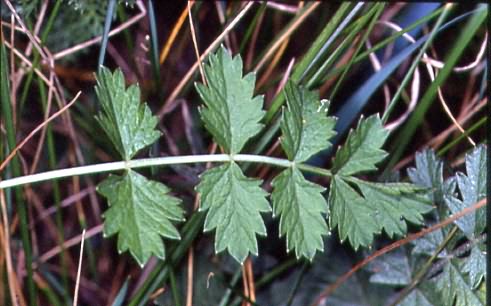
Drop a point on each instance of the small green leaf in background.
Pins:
(473, 189)
(231, 114)
(306, 130)
(300, 205)
(363, 147)
(396, 269)
(140, 212)
(428, 173)
(455, 288)
(305, 127)
(474, 265)
(128, 123)
(391, 269)
(234, 203)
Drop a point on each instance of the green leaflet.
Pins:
(351, 214)
(306, 130)
(362, 148)
(140, 211)
(380, 206)
(234, 203)
(305, 127)
(300, 205)
(128, 123)
(472, 188)
(231, 114)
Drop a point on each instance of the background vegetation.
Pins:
(428, 86)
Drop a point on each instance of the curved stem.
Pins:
(157, 161)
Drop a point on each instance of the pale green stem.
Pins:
(157, 161)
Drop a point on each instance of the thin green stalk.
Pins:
(120, 11)
(378, 8)
(268, 277)
(424, 269)
(251, 27)
(156, 278)
(157, 161)
(228, 292)
(415, 63)
(154, 43)
(297, 283)
(105, 35)
(16, 171)
(173, 286)
(386, 41)
(318, 46)
(37, 56)
(50, 143)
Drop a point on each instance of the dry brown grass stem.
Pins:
(68, 244)
(331, 288)
(172, 37)
(113, 32)
(5, 239)
(436, 141)
(43, 132)
(195, 42)
(286, 34)
(171, 100)
(273, 64)
(31, 134)
(79, 270)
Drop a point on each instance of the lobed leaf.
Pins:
(362, 149)
(380, 206)
(128, 123)
(140, 212)
(301, 207)
(234, 203)
(231, 114)
(472, 188)
(305, 127)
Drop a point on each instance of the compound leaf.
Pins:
(300, 205)
(362, 149)
(231, 114)
(140, 212)
(305, 127)
(234, 203)
(128, 123)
